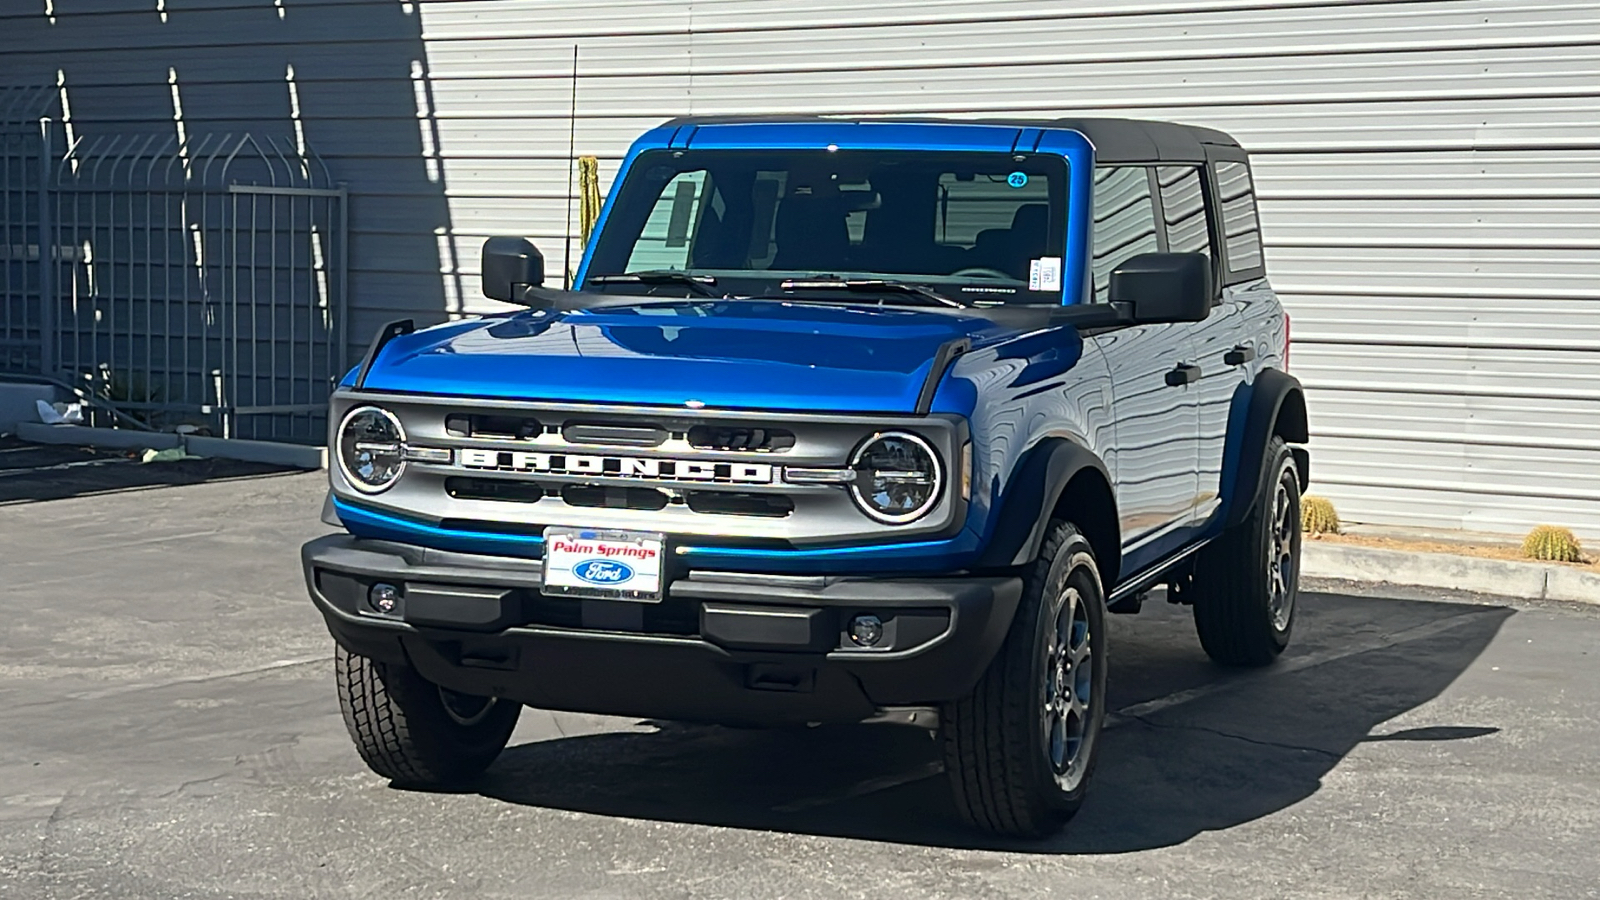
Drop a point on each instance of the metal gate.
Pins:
(199, 283)
(23, 150)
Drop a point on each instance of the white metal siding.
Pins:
(1429, 172)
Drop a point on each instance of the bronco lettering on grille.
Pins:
(615, 466)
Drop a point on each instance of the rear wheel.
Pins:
(1020, 748)
(414, 732)
(1247, 583)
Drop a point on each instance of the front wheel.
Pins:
(1247, 583)
(1020, 748)
(414, 732)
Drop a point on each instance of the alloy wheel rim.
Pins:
(1281, 553)
(1068, 689)
(465, 709)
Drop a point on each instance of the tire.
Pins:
(1247, 583)
(1020, 748)
(413, 732)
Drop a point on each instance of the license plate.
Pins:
(602, 563)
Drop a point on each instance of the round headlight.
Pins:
(370, 447)
(897, 477)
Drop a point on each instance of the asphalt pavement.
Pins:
(168, 728)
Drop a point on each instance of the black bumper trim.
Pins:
(722, 647)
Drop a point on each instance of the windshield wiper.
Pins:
(872, 286)
(700, 284)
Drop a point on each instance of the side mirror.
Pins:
(511, 265)
(1164, 287)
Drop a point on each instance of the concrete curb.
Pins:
(83, 435)
(1504, 578)
(297, 455)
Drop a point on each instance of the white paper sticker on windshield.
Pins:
(1044, 274)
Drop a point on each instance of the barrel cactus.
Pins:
(1317, 516)
(1552, 543)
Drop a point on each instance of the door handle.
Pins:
(1182, 375)
(1239, 355)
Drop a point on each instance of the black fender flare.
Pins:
(1273, 404)
(1031, 494)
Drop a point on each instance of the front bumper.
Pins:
(721, 647)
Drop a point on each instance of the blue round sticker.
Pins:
(1017, 179)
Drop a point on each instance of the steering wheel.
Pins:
(982, 272)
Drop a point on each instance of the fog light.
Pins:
(383, 598)
(866, 631)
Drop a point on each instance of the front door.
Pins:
(1156, 420)
(1224, 354)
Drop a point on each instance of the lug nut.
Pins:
(383, 598)
(866, 631)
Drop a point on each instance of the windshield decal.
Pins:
(1044, 274)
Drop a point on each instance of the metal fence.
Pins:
(199, 283)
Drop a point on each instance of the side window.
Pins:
(1124, 221)
(1183, 207)
(664, 242)
(1241, 230)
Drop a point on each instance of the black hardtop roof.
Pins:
(1115, 140)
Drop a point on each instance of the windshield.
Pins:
(974, 227)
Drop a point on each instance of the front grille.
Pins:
(728, 503)
(591, 496)
(501, 427)
(612, 497)
(705, 476)
(495, 489)
(748, 438)
(553, 441)
(726, 438)
(614, 435)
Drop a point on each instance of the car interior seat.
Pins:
(1011, 249)
(811, 233)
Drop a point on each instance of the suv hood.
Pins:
(731, 354)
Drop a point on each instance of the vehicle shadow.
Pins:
(1238, 745)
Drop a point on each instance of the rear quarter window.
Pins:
(1241, 227)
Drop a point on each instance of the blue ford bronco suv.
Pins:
(843, 421)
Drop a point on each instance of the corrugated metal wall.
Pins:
(1429, 171)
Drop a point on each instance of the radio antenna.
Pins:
(572, 160)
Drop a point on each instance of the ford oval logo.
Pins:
(603, 571)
